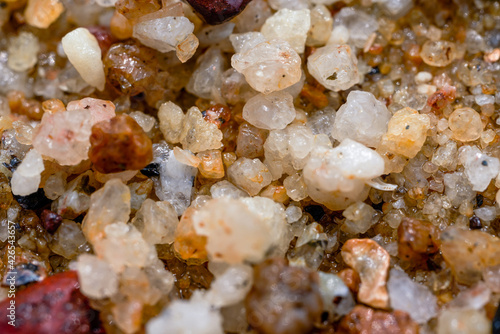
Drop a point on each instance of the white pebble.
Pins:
(334, 66)
(84, 53)
(270, 112)
(289, 25)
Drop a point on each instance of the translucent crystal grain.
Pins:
(100, 110)
(195, 316)
(205, 81)
(286, 151)
(231, 286)
(334, 177)
(163, 34)
(108, 205)
(269, 66)
(225, 188)
(463, 321)
(175, 182)
(438, 53)
(360, 24)
(289, 25)
(321, 26)
(479, 167)
(42, 13)
(64, 136)
(371, 262)
(415, 299)
(407, 132)
(68, 239)
(468, 253)
(250, 141)
(332, 288)
(123, 246)
(146, 122)
(26, 178)
(211, 165)
(359, 218)
(250, 175)
(295, 187)
(96, 278)
(362, 118)
(270, 112)
(233, 231)
(465, 124)
(156, 221)
(334, 66)
(23, 51)
(191, 130)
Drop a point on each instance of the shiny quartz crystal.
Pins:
(334, 66)
(270, 112)
(268, 66)
(362, 118)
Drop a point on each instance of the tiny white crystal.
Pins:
(225, 188)
(250, 175)
(26, 178)
(360, 24)
(84, 53)
(234, 232)
(97, 279)
(289, 25)
(175, 183)
(64, 136)
(334, 66)
(108, 205)
(479, 167)
(123, 246)
(270, 112)
(408, 296)
(268, 66)
(335, 177)
(231, 286)
(23, 51)
(362, 118)
(195, 315)
(156, 221)
(163, 34)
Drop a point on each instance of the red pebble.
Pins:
(103, 36)
(442, 97)
(218, 11)
(50, 220)
(54, 305)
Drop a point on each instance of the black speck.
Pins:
(484, 163)
(105, 106)
(324, 316)
(316, 211)
(13, 163)
(374, 70)
(33, 201)
(86, 107)
(496, 322)
(479, 200)
(333, 76)
(153, 169)
(475, 223)
(407, 127)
